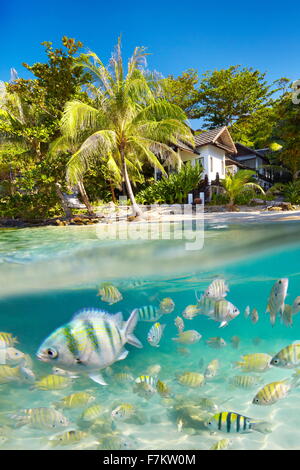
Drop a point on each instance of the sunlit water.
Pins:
(48, 274)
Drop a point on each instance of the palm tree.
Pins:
(236, 184)
(126, 124)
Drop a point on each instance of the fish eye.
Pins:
(52, 353)
(275, 361)
(256, 400)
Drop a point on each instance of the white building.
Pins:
(211, 148)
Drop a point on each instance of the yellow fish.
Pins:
(272, 392)
(109, 293)
(288, 357)
(257, 362)
(7, 339)
(223, 444)
(188, 337)
(124, 411)
(166, 305)
(53, 382)
(92, 413)
(191, 379)
(212, 369)
(76, 400)
(68, 438)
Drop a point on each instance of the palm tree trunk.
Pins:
(85, 198)
(112, 190)
(136, 210)
(67, 210)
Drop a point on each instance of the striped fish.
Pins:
(223, 444)
(244, 381)
(148, 379)
(230, 422)
(256, 362)
(224, 312)
(109, 293)
(68, 438)
(217, 289)
(211, 369)
(145, 386)
(92, 413)
(155, 333)
(91, 341)
(191, 379)
(124, 411)
(75, 400)
(166, 305)
(179, 323)
(41, 418)
(206, 305)
(277, 298)
(272, 392)
(288, 357)
(53, 382)
(7, 339)
(149, 313)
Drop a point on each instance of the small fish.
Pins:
(115, 441)
(7, 339)
(212, 369)
(91, 413)
(247, 312)
(15, 374)
(179, 323)
(163, 389)
(154, 370)
(183, 351)
(257, 362)
(41, 418)
(53, 382)
(296, 305)
(207, 404)
(216, 342)
(155, 333)
(272, 392)
(244, 381)
(223, 444)
(123, 377)
(224, 312)
(91, 341)
(191, 311)
(276, 299)
(109, 293)
(12, 356)
(124, 411)
(188, 337)
(288, 357)
(287, 316)
(148, 379)
(254, 316)
(149, 313)
(75, 400)
(235, 342)
(166, 305)
(179, 425)
(144, 390)
(217, 289)
(191, 379)
(230, 422)
(64, 373)
(68, 438)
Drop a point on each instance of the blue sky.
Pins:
(179, 35)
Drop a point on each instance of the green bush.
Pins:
(172, 189)
(219, 199)
(292, 192)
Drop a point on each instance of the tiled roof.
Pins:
(208, 137)
(220, 137)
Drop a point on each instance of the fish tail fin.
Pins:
(261, 426)
(129, 327)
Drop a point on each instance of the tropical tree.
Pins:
(236, 184)
(126, 124)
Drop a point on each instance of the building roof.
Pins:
(243, 151)
(230, 161)
(220, 137)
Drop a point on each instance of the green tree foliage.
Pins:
(235, 185)
(227, 95)
(174, 188)
(182, 91)
(127, 125)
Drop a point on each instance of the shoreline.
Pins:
(210, 215)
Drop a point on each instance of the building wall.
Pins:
(212, 159)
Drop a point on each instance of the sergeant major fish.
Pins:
(276, 299)
(91, 341)
(155, 333)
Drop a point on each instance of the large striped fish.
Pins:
(149, 313)
(91, 341)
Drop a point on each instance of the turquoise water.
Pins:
(48, 274)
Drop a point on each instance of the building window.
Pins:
(211, 164)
